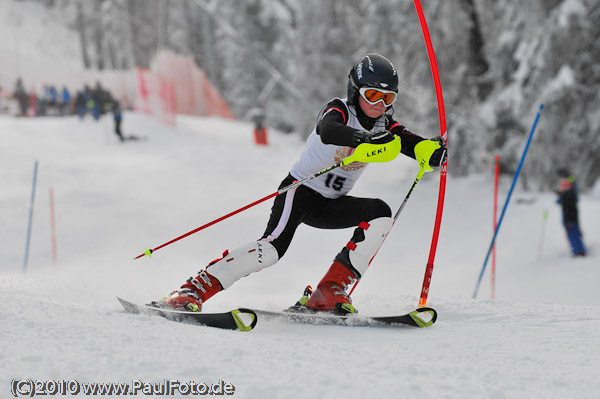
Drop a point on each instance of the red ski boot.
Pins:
(194, 292)
(330, 295)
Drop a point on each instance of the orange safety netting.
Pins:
(192, 92)
(172, 85)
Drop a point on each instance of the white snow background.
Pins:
(538, 339)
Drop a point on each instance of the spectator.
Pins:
(568, 198)
(21, 96)
(83, 102)
(102, 101)
(65, 101)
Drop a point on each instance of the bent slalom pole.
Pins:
(512, 187)
(365, 153)
(444, 170)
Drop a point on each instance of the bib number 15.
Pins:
(334, 181)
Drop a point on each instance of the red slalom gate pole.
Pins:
(496, 174)
(444, 170)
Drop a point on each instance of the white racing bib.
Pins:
(318, 156)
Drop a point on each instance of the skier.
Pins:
(567, 199)
(342, 124)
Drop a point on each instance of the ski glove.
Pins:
(378, 137)
(439, 156)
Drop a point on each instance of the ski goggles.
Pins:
(373, 96)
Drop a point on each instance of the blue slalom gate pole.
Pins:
(35, 169)
(512, 187)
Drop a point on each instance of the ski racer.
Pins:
(365, 116)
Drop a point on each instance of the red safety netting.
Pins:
(172, 85)
(194, 95)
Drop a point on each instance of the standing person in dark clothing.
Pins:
(114, 106)
(102, 101)
(20, 94)
(568, 198)
(98, 95)
(342, 125)
(117, 117)
(83, 102)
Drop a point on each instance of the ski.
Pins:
(234, 320)
(420, 318)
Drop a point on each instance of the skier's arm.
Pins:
(410, 140)
(332, 127)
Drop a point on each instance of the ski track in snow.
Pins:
(539, 339)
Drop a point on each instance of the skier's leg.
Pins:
(221, 273)
(243, 261)
(352, 261)
(252, 257)
(288, 212)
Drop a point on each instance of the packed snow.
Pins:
(539, 338)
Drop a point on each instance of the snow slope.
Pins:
(539, 339)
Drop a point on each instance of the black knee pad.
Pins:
(377, 208)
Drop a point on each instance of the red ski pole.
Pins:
(443, 172)
(366, 153)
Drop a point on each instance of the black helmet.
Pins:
(372, 70)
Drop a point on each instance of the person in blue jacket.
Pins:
(567, 199)
(65, 101)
